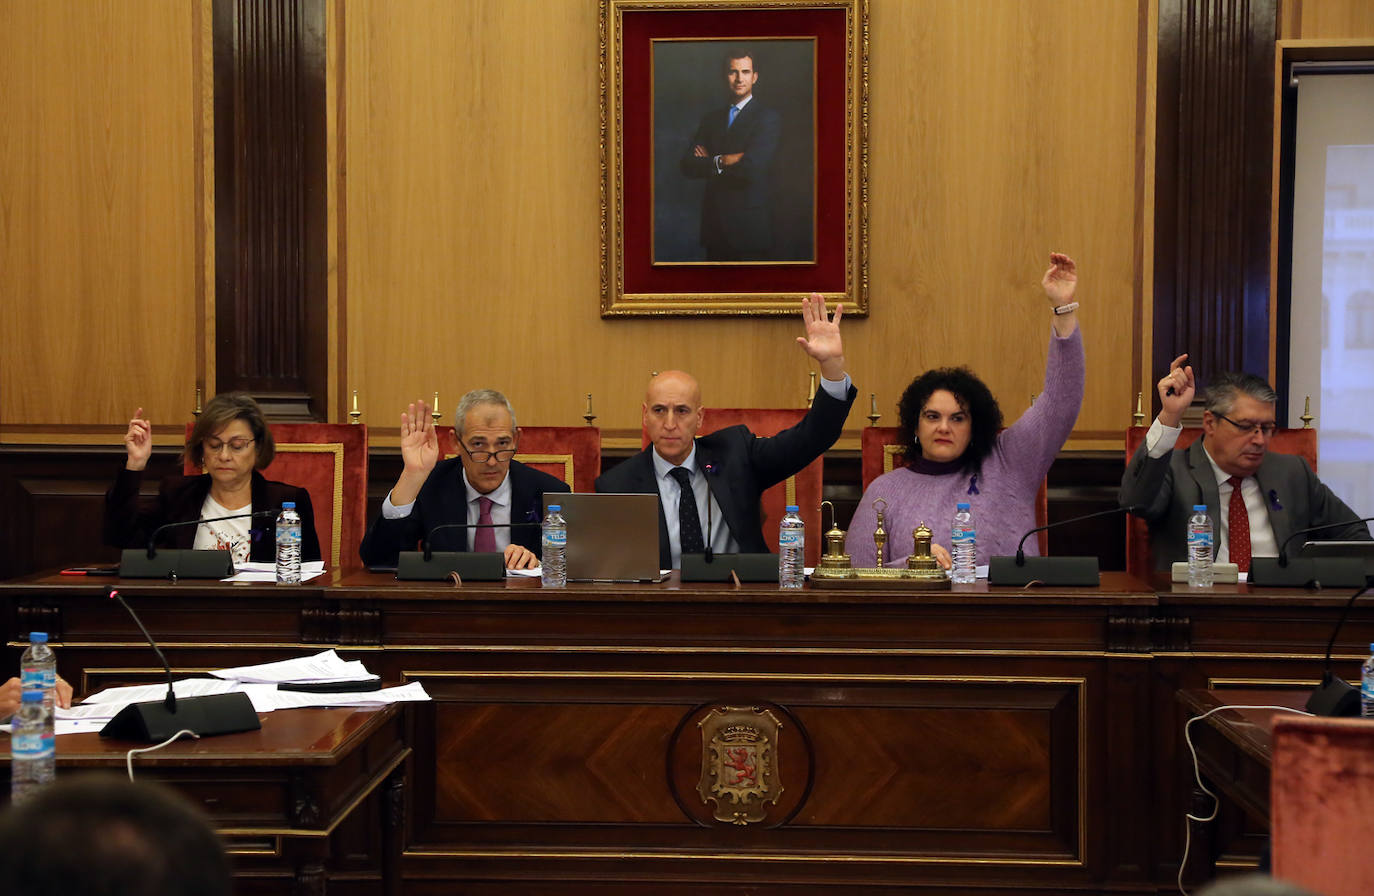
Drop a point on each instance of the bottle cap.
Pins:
(38, 637)
(555, 507)
(288, 505)
(32, 697)
(962, 505)
(1199, 508)
(793, 508)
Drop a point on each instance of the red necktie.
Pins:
(1238, 525)
(485, 539)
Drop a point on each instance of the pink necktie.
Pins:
(485, 539)
(1238, 527)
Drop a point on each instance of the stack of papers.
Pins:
(258, 682)
(267, 572)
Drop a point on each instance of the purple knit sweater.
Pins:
(1001, 496)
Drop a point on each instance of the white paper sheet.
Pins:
(267, 572)
(325, 666)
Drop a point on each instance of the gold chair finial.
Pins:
(1307, 417)
(1138, 418)
(355, 416)
(436, 414)
(873, 415)
(195, 412)
(589, 416)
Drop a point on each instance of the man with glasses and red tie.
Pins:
(482, 488)
(1256, 498)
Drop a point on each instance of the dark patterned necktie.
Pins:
(688, 521)
(1238, 527)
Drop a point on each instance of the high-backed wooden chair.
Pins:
(329, 460)
(1139, 562)
(880, 453)
(1321, 791)
(803, 489)
(571, 453)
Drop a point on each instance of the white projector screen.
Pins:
(1331, 343)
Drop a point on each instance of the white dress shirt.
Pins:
(500, 510)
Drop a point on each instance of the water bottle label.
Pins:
(791, 538)
(1200, 539)
(30, 745)
(556, 538)
(966, 535)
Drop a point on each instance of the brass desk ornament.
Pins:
(922, 572)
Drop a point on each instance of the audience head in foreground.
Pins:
(950, 430)
(103, 835)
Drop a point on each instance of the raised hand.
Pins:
(822, 340)
(1060, 280)
(1176, 389)
(138, 442)
(419, 441)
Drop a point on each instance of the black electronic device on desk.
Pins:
(718, 567)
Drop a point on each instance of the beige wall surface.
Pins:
(468, 202)
(1000, 130)
(98, 269)
(1326, 19)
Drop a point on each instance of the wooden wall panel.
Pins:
(98, 269)
(1000, 130)
(1327, 19)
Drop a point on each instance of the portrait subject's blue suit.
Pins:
(736, 209)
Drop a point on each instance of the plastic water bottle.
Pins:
(963, 541)
(38, 673)
(33, 757)
(1367, 686)
(1199, 548)
(288, 545)
(553, 567)
(792, 549)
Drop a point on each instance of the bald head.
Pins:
(672, 414)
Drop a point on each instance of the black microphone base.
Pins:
(1334, 697)
(1303, 572)
(134, 563)
(749, 567)
(206, 716)
(1053, 571)
(472, 567)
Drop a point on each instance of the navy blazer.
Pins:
(180, 498)
(443, 499)
(1168, 487)
(743, 465)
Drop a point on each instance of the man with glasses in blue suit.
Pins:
(483, 489)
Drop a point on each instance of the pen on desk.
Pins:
(90, 571)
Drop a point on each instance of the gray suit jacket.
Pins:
(1167, 487)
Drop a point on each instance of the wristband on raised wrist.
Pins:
(1066, 308)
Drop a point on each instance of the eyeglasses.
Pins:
(482, 457)
(235, 446)
(1265, 429)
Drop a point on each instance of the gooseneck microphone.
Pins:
(166, 527)
(709, 552)
(426, 544)
(1021, 545)
(1283, 549)
(1335, 696)
(158, 720)
(1054, 571)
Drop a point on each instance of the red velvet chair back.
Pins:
(803, 489)
(1321, 791)
(1139, 562)
(880, 453)
(572, 453)
(329, 460)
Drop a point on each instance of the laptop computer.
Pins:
(611, 537)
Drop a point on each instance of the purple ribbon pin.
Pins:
(1274, 500)
(973, 484)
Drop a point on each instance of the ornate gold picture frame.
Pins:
(709, 210)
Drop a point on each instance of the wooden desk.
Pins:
(313, 798)
(992, 739)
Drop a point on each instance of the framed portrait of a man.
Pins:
(735, 176)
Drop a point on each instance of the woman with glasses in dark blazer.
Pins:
(231, 442)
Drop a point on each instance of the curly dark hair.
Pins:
(973, 396)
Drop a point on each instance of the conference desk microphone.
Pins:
(429, 565)
(1309, 572)
(177, 563)
(708, 566)
(159, 720)
(1335, 696)
(1054, 571)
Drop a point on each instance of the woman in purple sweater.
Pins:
(956, 449)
